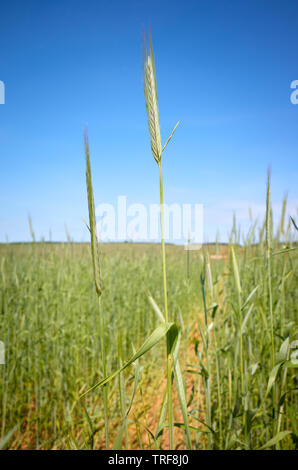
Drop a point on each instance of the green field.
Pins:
(237, 354)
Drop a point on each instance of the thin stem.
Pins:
(104, 366)
(169, 359)
(218, 386)
(268, 257)
(163, 243)
(206, 348)
(188, 258)
(269, 287)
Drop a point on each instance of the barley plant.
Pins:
(87, 368)
(151, 100)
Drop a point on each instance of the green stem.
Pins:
(188, 259)
(207, 382)
(218, 386)
(122, 389)
(269, 287)
(104, 366)
(268, 257)
(163, 244)
(169, 359)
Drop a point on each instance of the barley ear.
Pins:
(92, 221)
(151, 100)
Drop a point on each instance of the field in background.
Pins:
(50, 328)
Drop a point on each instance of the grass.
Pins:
(51, 329)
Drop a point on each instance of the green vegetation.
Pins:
(50, 324)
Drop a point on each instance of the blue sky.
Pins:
(224, 69)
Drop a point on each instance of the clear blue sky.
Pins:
(224, 69)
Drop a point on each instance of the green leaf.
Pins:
(5, 440)
(122, 388)
(294, 223)
(151, 341)
(155, 307)
(246, 319)
(278, 437)
(286, 250)
(272, 377)
(181, 392)
(237, 407)
(136, 381)
(214, 308)
(236, 271)
(293, 364)
(90, 426)
(191, 396)
(204, 371)
(181, 426)
(118, 440)
(162, 417)
(253, 368)
(250, 296)
(203, 338)
(173, 338)
(283, 351)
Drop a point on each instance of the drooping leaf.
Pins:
(155, 307)
(159, 333)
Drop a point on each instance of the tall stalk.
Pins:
(206, 342)
(164, 273)
(97, 280)
(164, 270)
(151, 100)
(237, 280)
(269, 290)
(268, 265)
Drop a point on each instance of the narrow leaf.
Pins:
(151, 341)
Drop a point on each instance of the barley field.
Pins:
(236, 397)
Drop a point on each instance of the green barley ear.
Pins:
(236, 275)
(151, 99)
(281, 229)
(92, 221)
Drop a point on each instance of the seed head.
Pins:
(151, 100)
